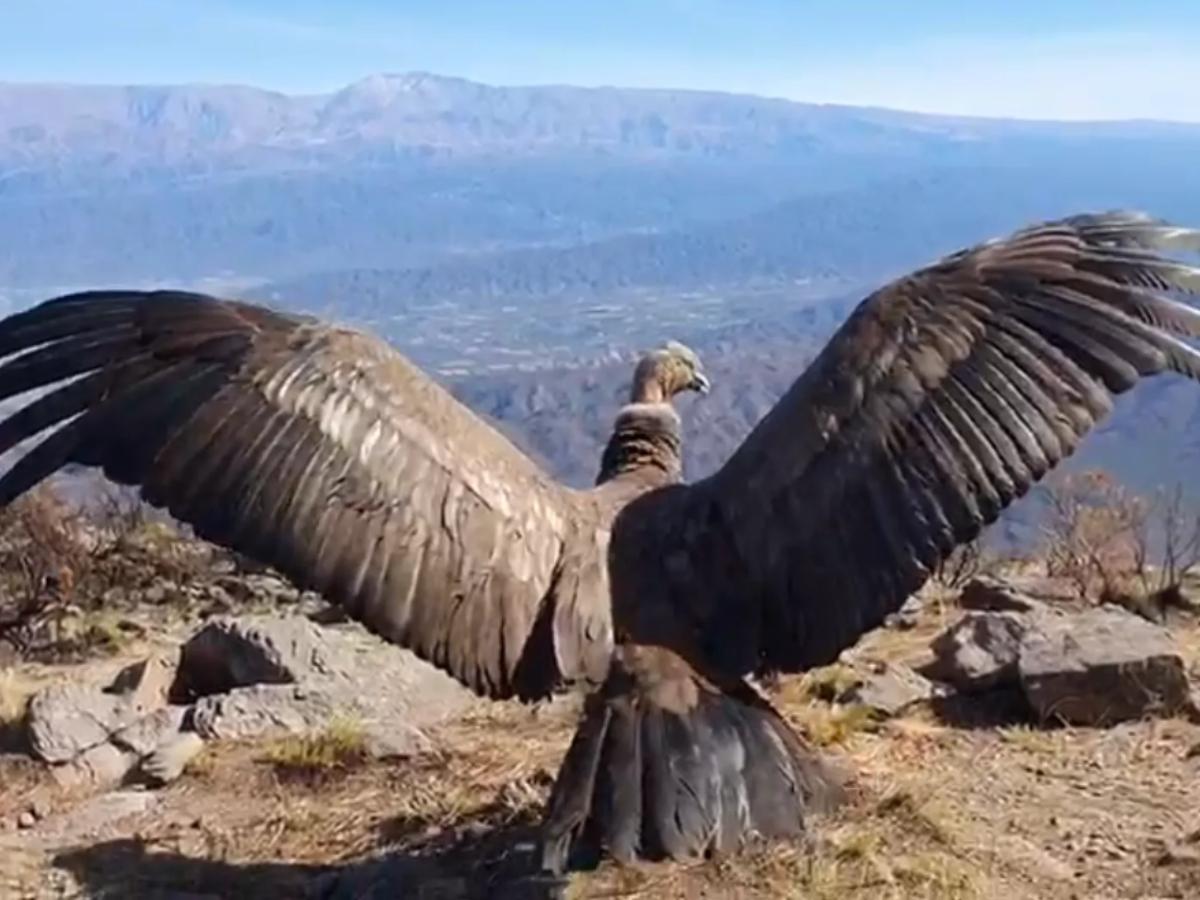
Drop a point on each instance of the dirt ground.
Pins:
(965, 801)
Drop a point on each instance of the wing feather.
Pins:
(944, 397)
(324, 452)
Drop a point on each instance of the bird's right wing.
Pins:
(324, 452)
(944, 397)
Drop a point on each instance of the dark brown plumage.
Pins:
(943, 398)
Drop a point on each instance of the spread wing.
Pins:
(324, 452)
(941, 400)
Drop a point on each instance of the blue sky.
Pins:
(1053, 58)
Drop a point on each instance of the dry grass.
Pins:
(831, 725)
(15, 691)
(1035, 740)
(340, 746)
(885, 847)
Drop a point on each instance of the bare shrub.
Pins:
(136, 545)
(965, 562)
(1116, 546)
(1091, 536)
(66, 571)
(1168, 547)
(44, 558)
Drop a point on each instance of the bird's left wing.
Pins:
(942, 399)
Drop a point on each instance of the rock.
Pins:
(171, 757)
(289, 675)
(262, 709)
(889, 689)
(395, 743)
(907, 616)
(276, 709)
(103, 765)
(1178, 855)
(230, 653)
(1101, 666)
(67, 719)
(147, 684)
(149, 732)
(986, 593)
(26, 820)
(980, 651)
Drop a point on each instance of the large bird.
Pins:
(322, 451)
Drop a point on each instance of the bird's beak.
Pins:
(700, 383)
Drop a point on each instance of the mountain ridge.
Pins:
(422, 116)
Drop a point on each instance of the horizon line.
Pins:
(640, 88)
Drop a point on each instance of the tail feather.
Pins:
(667, 765)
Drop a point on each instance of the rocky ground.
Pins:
(231, 738)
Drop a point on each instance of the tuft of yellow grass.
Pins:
(1033, 739)
(829, 725)
(341, 745)
(15, 693)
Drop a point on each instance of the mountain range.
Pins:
(419, 115)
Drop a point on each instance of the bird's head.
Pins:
(667, 371)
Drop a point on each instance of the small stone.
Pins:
(149, 732)
(1178, 855)
(980, 651)
(39, 806)
(889, 689)
(147, 684)
(396, 743)
(986, 593)
(102, 765)
(26, 820)
(156, 594)
(170, 758)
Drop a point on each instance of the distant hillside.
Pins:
(553, 304)
(878, 227)
(562, 418)
(100, 185)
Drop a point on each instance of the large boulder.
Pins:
(229, 653)
(65, 720)
(261, 675)
(1093, 666)
(1102, 666)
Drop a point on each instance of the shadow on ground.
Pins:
(996, 708)
(498, 862)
